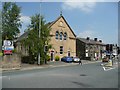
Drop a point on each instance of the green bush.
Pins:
(1, 54)
(28, 59)
(48, 58)
(57, 58)
(14, 51)
(25, 59)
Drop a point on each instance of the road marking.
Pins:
(2, 77)
(108, 68)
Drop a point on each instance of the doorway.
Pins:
(69, 53)
(52, 55)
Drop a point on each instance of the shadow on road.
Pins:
(83, 75)
(82, 84)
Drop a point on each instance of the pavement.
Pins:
(50, 64)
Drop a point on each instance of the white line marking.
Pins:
(110, 68)
(104, 68)
(2, 77)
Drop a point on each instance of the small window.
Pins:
(65, 36)
(57, 34)
(60, 35)
(61, 49)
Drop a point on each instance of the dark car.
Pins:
(106, 59)
(66, 59)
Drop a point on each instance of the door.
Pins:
(52, 56)
(69, 53)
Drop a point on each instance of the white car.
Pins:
(76, 59)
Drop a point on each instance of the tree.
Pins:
(10, 20)
(33, 41)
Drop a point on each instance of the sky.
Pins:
(119, 25)
(87, 19)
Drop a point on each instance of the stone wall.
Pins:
(69, 45)
(10, 61)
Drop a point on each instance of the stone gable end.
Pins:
(69, 45)
(64, 28)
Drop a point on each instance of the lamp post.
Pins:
(39, 35)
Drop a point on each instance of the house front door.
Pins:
(52, 55)
(68, 53)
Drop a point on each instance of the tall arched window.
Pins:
(57, 34)
(65, 36)
(60, 35)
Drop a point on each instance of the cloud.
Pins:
(25, 22)
(93, 34)
(83, 6)
(25, 19)
(87, 33)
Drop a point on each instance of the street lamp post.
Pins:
(39, 35)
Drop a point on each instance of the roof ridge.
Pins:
(91, 41)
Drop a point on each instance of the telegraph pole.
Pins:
(39, 34)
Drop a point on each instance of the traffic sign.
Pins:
(8, 43)
(8, 48)
(7, 52)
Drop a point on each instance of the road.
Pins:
(85, 76)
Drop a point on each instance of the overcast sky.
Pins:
(93, 19)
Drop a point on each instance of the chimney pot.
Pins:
(100, 41)
(88, 38)
(95, 39)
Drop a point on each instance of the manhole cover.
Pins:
(83, 75)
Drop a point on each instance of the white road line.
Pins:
(108, 69)
(2, 77)
(104, 68)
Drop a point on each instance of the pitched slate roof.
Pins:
(24, 35)
(90, 41)
(50, 24)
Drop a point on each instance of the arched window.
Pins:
(57, 34)
(65, 36)
(60, 35)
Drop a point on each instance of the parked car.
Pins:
(106, 59)
(66, 59)
(76, 59)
